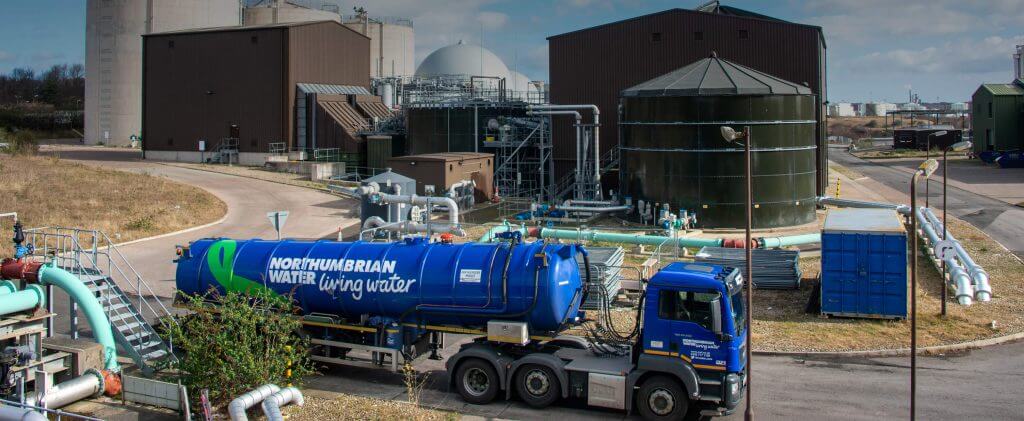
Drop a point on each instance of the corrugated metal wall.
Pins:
(592, 66)
(196, 84)
(251, 75)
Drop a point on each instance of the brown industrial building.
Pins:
(594, 65)
(442, 170)
(262, 79)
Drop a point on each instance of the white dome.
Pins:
(518, 82)
(462, 59)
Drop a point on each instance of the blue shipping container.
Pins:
(864, 264)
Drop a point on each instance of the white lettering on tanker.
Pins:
(351, 276)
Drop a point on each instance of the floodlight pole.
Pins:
(945, 175)
(913, 293)
(749, 414)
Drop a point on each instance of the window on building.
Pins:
(989, 110)
(687, 306)
(656, 37)
(698, 36)
(743, 34)
(990, 143)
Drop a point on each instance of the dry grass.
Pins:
(349, 407)
(46, 191)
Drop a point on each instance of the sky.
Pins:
(877, 49)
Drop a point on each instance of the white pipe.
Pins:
(982, 287)
(452, 190)
(958, 277)
(411, 227)
(847, 203)
(10, 413)
(453, 208)
(272, 405)
(597, 133)
(595, 209)
(87, 385)
(592, 202)
(579, 131)
(249, 399)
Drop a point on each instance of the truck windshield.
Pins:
(739, 310)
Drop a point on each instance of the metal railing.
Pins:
(277, 148)
(100, 257)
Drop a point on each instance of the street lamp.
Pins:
(731, 136)
(927, 156)
(926, 169)
(956, 147)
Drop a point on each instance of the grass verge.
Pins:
(47, 191)
(350, 407)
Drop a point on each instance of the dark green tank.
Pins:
(672, 150)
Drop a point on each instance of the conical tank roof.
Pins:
(714, 76)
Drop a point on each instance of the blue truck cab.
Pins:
(694, 329)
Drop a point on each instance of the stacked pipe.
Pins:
(961, 267)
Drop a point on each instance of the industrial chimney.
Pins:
(1018, 63)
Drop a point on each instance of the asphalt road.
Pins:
(1000, 220)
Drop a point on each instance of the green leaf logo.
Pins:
(220, 258)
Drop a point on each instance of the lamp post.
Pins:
(956, 147)
(927, 156)
(926, 169)
(731, 136)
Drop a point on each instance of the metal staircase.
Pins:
(107, 273)
(225, 152)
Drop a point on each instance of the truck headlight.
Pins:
(734, 388)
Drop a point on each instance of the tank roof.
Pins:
(443, 156)
(715, 76)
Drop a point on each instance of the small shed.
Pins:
(864, 264)
(916, 137)
(442, 170)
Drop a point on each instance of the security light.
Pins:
(928, 167)
(730, 135)
(961, 146)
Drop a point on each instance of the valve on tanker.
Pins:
(19, 238)
(447, 238)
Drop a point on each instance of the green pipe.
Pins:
(7, 287)
(76, 289)
(29, 298)
(505, 226)
(791, 240)
(612, 237)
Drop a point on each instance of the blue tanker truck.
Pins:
(395, 301)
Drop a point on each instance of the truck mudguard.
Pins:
(550, 361)
(498, 360)
(662, 364)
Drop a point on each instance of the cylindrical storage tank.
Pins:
(113, 56)
(280, 11)
(392, 43)
(673, 152)
(407, 281)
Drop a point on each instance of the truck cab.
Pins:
(687, 355)
(694, 330)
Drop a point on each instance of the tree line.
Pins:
(62, 86)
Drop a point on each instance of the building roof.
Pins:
(927, 127)
(462, 59)
(323, 88)
(715, 76)
(719, 10)
(443, 156)
(1004, 88)
(250, 28)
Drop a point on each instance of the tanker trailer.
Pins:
(684, 355)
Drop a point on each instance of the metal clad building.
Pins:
(198, 83)
(591, 66)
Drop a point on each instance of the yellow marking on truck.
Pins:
(685, 358)
(340, 326)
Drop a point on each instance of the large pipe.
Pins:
(612, 237)
(272, 405)
(33, 296)
(579, 132)
(847, 203)
(89, 385)
(594, 209)
(958, 277)
(52, 275)
(237, 407)
(597, 133)
(453, 208)
(982, 287)
(7, 287)
(10, 413)
(412, 227)
(790, 240)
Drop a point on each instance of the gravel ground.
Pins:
(360, 408)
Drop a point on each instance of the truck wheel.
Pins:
(661, 398)
(477, 381)
(537, 385)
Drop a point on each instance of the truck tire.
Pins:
(477, 381)
(662, 398)
(537, 385)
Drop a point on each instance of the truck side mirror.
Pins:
(716, 315)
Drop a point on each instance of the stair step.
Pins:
(154, 355)
(130, 327)
(137, 336)
(114, 306)
(122, 316)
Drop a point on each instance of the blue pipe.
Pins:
(7, 287)
(505, 226)
(31, 297)
(52, 275)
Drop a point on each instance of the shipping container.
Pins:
(864, 264)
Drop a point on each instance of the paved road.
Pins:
(983, 384)
(998, 219)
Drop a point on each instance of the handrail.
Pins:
(56, 412)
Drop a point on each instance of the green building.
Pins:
(998, 117)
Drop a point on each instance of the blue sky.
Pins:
(877, 48)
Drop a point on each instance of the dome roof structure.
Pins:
(518, 82)
(462, 59)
